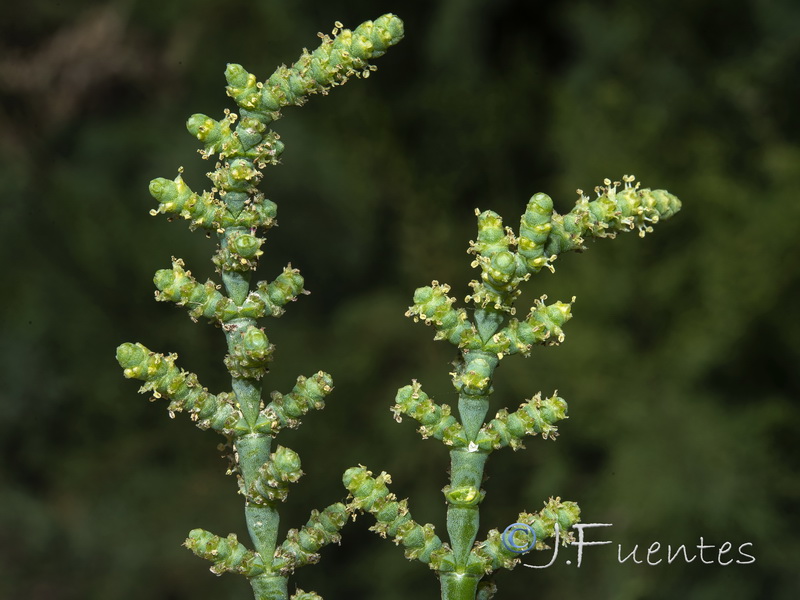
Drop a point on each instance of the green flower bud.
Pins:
(274, 477)
(287, 464)
(503, 267)
(258, 212)
(238, 252)
(492, 236)
(248, 246)
(474, 378)
(250, 356)
(237, 176)
(384, 32)
(242, 86)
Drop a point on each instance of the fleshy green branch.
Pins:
(433, 306)
(329, 65)
(536, 416)
(205, 300)
(234, 209)
(227, 554)
(505, 261)
(301, 547)
(544, 234)
(371, 494)
(543, 326)
(180, 387)
(492, 553)
(436, 420)
(308, 393)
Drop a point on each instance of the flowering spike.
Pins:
(180, 387)
(285, 410)
(535, 416)
(370, 494)
(278, 293)
(433, 306)
(492, 553)
(203, 300)
(331, 64)
(176, 197)
(436, 420)
(534, 229)
(228, 554)
(301, 546)
(500, 270)
(611, 212)
(492, 236)
(543, 325)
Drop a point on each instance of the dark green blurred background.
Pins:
(680, 365)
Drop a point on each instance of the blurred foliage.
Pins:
(679, 365)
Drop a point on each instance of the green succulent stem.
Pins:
(464, 494)
(459, 585)
(463, 497)
(488, 321)
(236, 210)
(262, 518)
(270, 587)
(237, 283)
(505, 259)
